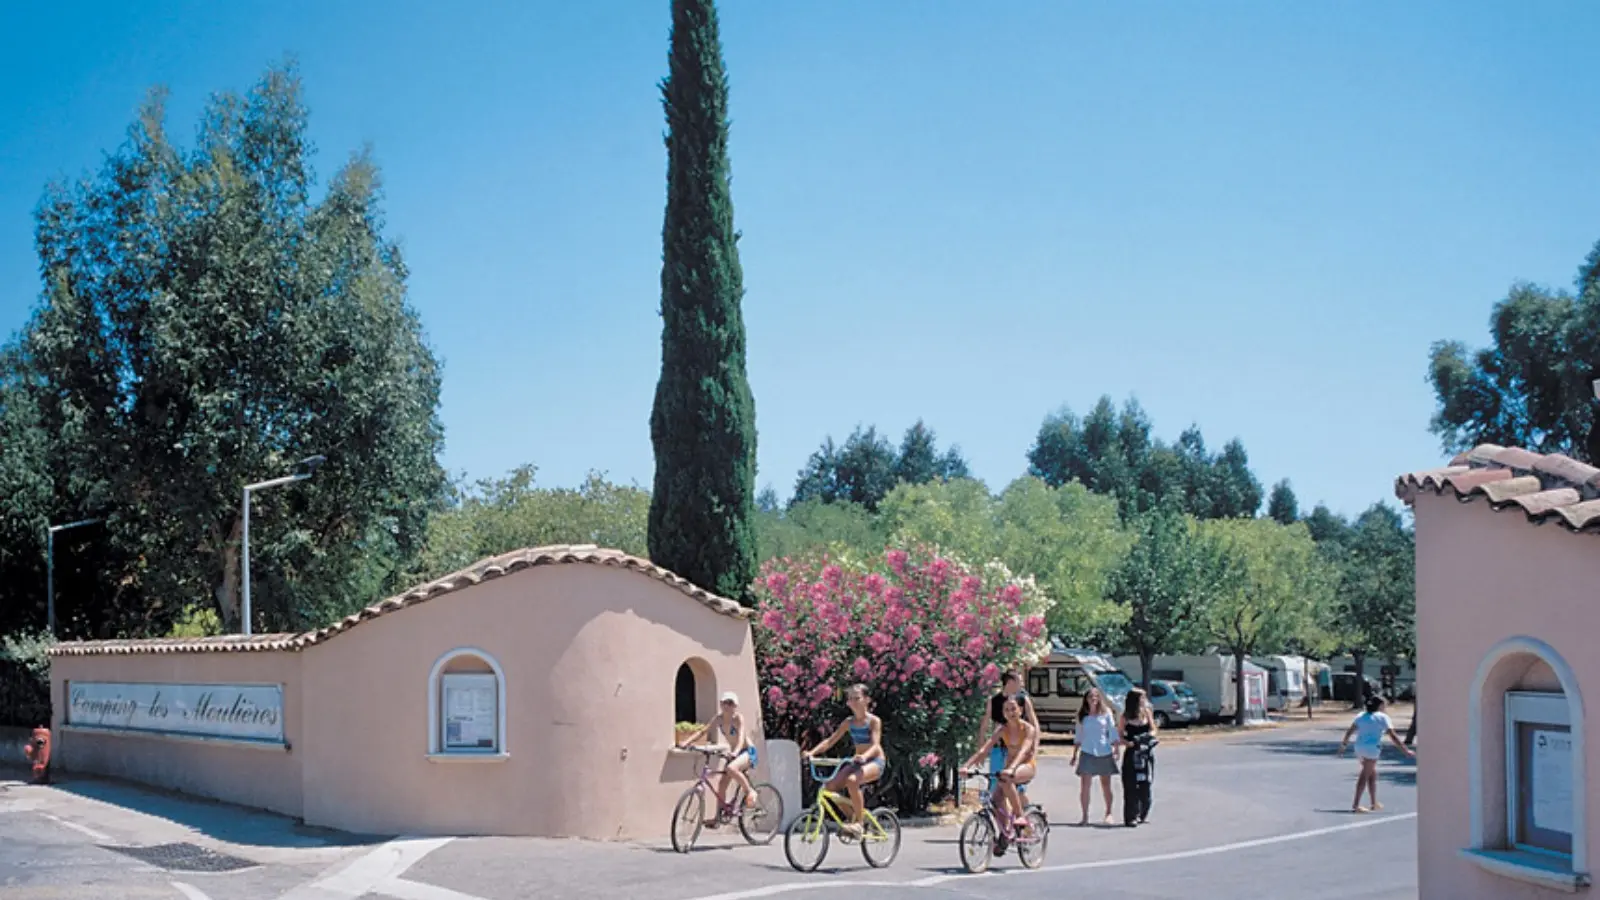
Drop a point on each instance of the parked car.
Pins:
(1347, 688)
(1173, 702)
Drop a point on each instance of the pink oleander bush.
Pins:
(928, 634)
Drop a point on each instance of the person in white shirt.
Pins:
(1095, 741)
(1369, 729)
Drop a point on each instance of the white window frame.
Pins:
(437, 751)
(1529, 708)
(1488, 850)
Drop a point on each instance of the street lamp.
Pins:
(50, 567)
(306, 468)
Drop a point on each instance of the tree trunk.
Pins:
(228, 592)
(1359, 657)
(1311, 697)
(1146, 659)
(1238, 688)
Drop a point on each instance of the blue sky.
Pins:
(1253, 216)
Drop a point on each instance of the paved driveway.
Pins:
(1234, 812)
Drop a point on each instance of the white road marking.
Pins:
(190, 891)
(416, 890)
(368, 872)
(81, 829)
(774, 890)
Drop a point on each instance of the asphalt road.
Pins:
(1268, 810)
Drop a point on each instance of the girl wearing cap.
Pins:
(741, 752)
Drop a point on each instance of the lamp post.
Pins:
(307, 467)
(50, 567)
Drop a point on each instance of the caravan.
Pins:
(1286, 681)
(1059, 683)
(1210, 676)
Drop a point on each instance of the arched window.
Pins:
(1527, 778)
(683, 695)
(694, 692)
(466, 707)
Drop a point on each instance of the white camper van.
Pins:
(1059, 683)
(1286, 681)
(1210, 676)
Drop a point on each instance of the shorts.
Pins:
(1369, 752)
(878, 762)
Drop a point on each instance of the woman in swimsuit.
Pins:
(741, 752)
(1020, 741)
(1010, 686)
(866, 733)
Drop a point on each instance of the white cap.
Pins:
(730, 697)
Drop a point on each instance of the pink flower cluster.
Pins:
(926, 634)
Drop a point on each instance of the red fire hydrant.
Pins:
(38, 750)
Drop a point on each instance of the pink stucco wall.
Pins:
(1484, 577)
(589, 653)
(253, 776)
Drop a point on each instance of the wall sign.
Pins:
(471, 712)
(1552, 781)
(237, 712)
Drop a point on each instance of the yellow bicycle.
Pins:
(809, 833)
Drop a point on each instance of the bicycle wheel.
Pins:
(1030, 850)
(977, 842)
(687, 819)
(880, 843)
(760, 823)
(807, 836)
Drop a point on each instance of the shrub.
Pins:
(25, 679)
(927, 634)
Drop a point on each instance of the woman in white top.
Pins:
(1369, 729)
(1094, 748)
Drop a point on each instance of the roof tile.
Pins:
(484, 570)
(1546, 487)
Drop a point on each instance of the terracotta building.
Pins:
(533, 693)
(1508, 570)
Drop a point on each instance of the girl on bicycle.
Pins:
(741, 752)
(1010, 686)
(868, 763)
(1019, 741)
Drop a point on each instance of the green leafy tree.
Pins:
(1377, 587)
(25, 483)
(1067, 539)
(1111, 452)
(813, 525)
(866, 468)
(703, 424)
(207, 323)
(1327, 527)
(1532, 387)
(1157, 585)
(862, 471)
(920, 461)
(499, 515)
(1282, 507)
(1261, 579)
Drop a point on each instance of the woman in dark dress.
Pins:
(1138, 764)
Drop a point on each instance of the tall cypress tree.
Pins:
(703, 423)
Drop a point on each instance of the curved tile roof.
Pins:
(1546, 487)
(484, 570)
